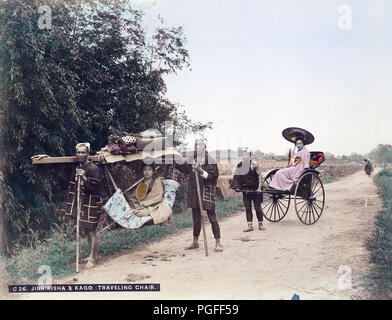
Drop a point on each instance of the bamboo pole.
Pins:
(77, 225)
(111, 178)
(201, 213)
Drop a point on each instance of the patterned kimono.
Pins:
(153, 204)
(285, 178)
(91, 201)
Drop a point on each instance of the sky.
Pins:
(258, 67)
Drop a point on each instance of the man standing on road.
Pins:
(208, 173)
(91, 201)
(248, 177)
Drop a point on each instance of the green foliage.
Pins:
(329, 179)
(380, 244)
(58, 252)
(382, 153)
(95, 72)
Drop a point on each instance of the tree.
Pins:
(92, 73)
(259, 155)
(329, 156)
(382, 153)
(356, 157)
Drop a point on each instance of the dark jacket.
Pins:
(207, 186)
(91, 201)
(245, 177)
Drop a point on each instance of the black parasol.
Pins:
(292, 134)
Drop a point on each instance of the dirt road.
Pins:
(287, 258)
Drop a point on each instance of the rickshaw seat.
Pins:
(316, 158)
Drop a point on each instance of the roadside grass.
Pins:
(380, 243)
(329, 179)
(58, 252)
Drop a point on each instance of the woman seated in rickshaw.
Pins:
(147, 201)
(285, 178)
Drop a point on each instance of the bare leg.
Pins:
(93, 241)
(218, 246)
(194, 245)
(89, 244)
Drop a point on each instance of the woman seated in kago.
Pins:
(285, 178)
(147, 201)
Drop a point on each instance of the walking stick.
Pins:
(77, 224)
(201, 213)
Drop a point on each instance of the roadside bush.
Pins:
(380, 243)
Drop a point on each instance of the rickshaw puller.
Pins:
(248, 176)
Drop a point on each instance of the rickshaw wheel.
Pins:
(309, 198)
(275, 206)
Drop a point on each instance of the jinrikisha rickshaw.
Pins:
(307, 193)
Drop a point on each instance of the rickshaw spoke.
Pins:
(315, 200)
(272, 211)
(303, 206)
(302, 214)
(302, 201)
(265, 207)
(268, 202)
(318, 195)
(303, 211)
(277, 203)
(282, 204)
(315, 209)
(317, 206)
(317, 213)
(276, 210)
(310, 213)
(280, 209)
(268, 205)
(306, 211)
(311, 208)
(318, 189)
(314, 185)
